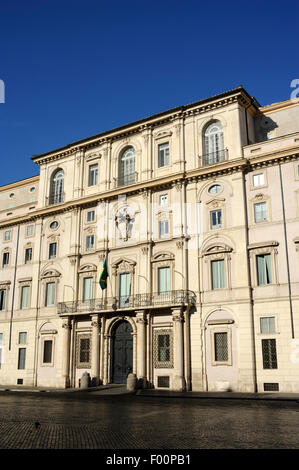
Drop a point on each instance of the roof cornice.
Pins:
(238, 95)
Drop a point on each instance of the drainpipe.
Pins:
(286, 250)
(14, 288)
(37, 306)
(248, 266)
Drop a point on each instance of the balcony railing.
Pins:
(55, 199)
(214, 157)
(163, 299)
(126, 179)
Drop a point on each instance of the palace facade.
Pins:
(196, 212)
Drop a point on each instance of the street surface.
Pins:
(90, 421)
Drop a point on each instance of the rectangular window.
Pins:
(50, 294)
(258, 180)
(164, 348)
(221, 347)
(29, 230)
(47, 355)
(23, 337)
(90, 216)
(87, 289)
(28, 255)
(264, 270)
(22, 358)
(2, 299)
(267, 325)
(5, 259)
(52, 250)
(93, 175)
(25, 297)
(124, 289)
(163, 228)
(163, 151)
(218, 274)
(89, 242)
(163, 280)
(7, 236)
(84, 350)
(163, 200)
(215, 219)
(269, 354)
(260, 212)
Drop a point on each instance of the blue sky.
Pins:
(75, 68)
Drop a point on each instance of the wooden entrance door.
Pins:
(122, 359)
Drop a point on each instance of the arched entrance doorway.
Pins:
(122, 352)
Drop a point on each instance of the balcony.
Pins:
(109, 304)
(214, 157)
(55, 199)
(127, 179)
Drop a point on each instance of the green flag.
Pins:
(103, 276)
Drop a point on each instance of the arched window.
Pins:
(126, 171)
(57, 184)
(213, 144)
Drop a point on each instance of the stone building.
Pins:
(196, 212)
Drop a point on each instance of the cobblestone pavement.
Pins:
(90, 421)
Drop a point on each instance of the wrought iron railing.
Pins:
(214, 157)
(126, 179)
(55, 199)
(175, 297)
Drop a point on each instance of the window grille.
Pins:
(221, 347)
(163, 381)
(269, 353)
(271, 387)
(163, 348)
(83, 351)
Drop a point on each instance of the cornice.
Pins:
(270, 108)
(16, 184)
(190, 176)
(238, 95)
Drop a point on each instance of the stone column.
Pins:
(178, 350)
(141, 348)
(66, 340)
(95, 350)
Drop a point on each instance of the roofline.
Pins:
(30, 179)
(182, 108)
(279, 105)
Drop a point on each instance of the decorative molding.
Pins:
(254, 246)
(87, 268)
